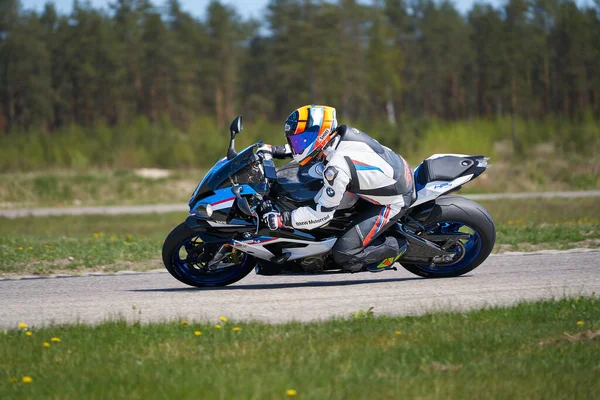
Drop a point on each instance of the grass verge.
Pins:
(97, 188)
(546, 349)
(541, 172)
(71, 244)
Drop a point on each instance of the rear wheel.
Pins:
(187, 259)
(455, 215)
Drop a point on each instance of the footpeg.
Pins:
(377, 269)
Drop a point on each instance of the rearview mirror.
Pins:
(236, 126)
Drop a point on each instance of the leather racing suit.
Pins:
(357, 166)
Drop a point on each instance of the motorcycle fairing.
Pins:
(455, 171)
(298, 248)
(435, 189)
(296, 183)
(222, 170)
(221, 202)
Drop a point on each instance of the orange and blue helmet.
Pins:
(308, 130)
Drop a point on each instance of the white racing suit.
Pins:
(359, 167)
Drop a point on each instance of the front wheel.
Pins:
(187, 259)
(457, 215)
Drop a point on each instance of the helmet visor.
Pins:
(300, 142)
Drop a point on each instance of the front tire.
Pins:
(182, 256)
(454, 214)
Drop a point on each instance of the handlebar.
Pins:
(269, 165)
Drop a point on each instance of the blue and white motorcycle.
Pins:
(223, 239)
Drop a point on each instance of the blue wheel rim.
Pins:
(188, 271)
(472, 246)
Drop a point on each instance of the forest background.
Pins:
(139, 85)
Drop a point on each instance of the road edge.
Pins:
(163, 271)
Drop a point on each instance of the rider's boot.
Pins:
(388, 263)
(375, 254)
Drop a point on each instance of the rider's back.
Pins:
(376, 171)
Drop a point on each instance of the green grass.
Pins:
(41, 246)
(95, 166)
(120, 187)
(533, 350)
(539, 212)
(75, 243)
(95, 187)
(162, 145)
(558, 154)
(526, 225)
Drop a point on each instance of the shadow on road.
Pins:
(263, 286)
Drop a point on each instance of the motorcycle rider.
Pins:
(357, 166)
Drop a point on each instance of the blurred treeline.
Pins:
(136, 84)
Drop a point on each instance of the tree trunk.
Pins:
(3, 122)
(391, 112)
(546, 99)
(153, 107)
(219, 106)
(513, 105)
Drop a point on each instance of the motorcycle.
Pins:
(223, 239)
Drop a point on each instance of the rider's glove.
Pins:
(266, 148)
(280, 152)
(275, 220)
(265, 207)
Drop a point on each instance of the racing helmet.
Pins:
(308, 130)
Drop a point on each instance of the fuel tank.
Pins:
(298, 184)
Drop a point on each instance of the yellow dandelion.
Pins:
(28, 333)
(13, 380)
(46, 344)
(27, 379)
(398, 332)
(197, 333)
(19, 248)
(30, 248)
(184, 322)
(579, 323)
(237, 329)
(291, 392)
(48, 246)
(113, 238)
(223, 319)
(218, 326)
(96, 236)
(55, 339)
(22, 325)
(578, 299)
(101, 234)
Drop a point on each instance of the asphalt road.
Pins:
(501, 280)
(164, 208)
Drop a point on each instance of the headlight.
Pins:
(204, 210)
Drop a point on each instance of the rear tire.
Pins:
(457, 210)
(180, 239)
